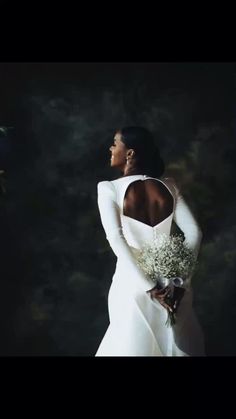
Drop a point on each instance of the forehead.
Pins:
(117, 136)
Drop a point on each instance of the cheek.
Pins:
(120, 156)
(120, 153)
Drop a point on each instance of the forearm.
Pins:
(110, 218)
(126, 257)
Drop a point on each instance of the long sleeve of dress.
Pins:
(185, 220)
(110, 218)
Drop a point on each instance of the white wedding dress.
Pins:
(137, 323)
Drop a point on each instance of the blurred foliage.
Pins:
(56, 262)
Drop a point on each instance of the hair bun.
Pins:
(147, 152)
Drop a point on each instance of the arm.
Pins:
(187, 223)
(193, 236)
(110, 218)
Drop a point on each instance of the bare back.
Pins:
(148, 201)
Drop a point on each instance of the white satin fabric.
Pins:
(137, 323)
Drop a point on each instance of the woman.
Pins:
(134, 209)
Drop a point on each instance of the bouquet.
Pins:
(168, 261)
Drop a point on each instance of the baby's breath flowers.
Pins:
(168, 261)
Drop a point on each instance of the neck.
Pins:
(132, 171)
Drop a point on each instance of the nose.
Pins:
(111, 148)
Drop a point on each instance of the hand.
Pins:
(161, 295)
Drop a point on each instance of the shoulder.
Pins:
(172, 184)
(109, 184)
(106, 187)
(103, 185)
(168, 179)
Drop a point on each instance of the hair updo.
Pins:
(146, 152)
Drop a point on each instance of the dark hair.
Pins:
(147, 153)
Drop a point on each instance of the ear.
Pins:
(130, 153)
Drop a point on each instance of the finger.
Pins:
(164, 304)
(168, 307)
(162, 294)
(161, 291)
(165, 298)
(160, 298)
(161, 302)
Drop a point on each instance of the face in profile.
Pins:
(118, 152)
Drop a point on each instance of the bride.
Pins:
(136, 208)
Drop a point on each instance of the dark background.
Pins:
(57, 122)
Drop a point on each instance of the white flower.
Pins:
(166, 259)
